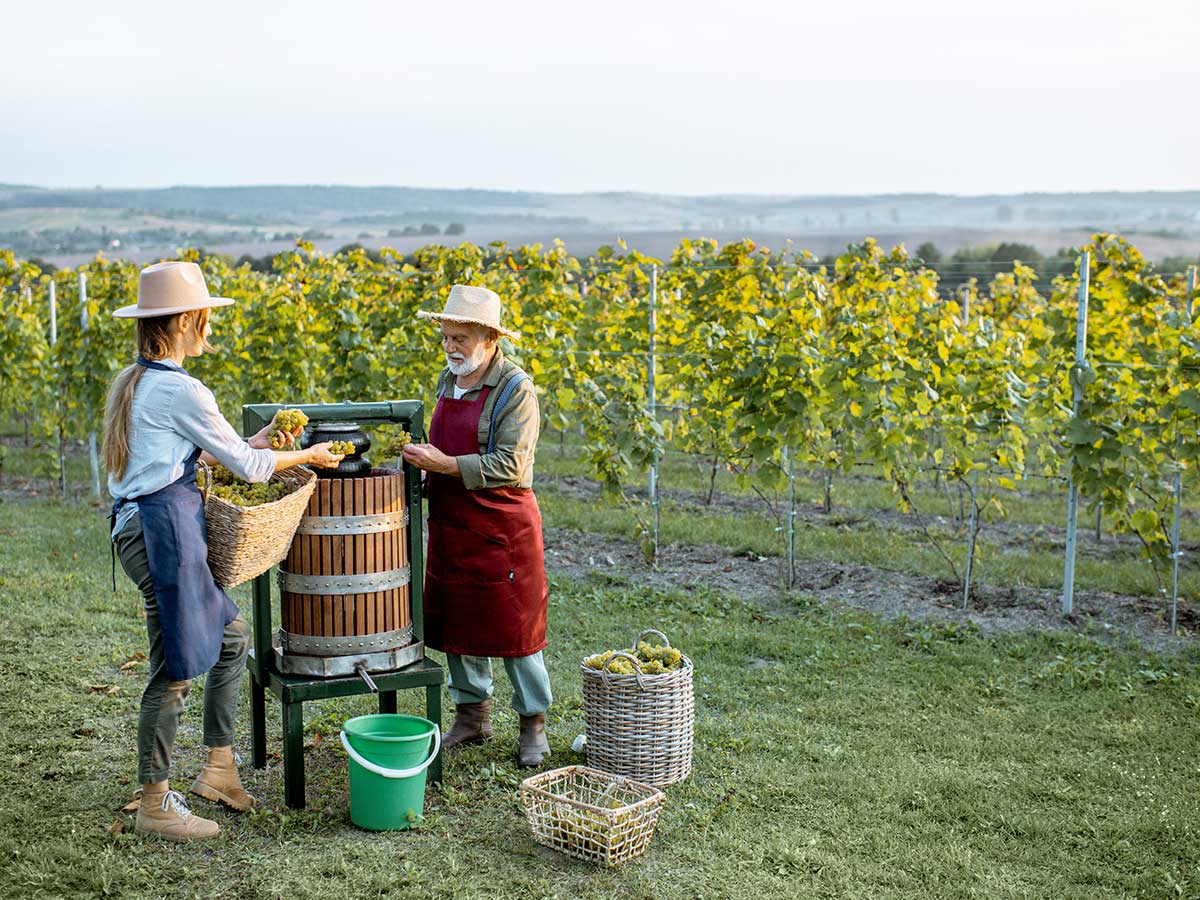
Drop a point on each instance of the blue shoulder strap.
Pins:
(506, 393)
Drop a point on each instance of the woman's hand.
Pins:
(319, 456)
(286, 441)
(430, 459)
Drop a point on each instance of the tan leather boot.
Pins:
(471, 725)
(218, 781)
(532, 745)
(166, 814)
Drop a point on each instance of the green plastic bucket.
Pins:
(389, 754)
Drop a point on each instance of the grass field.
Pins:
(836, 756)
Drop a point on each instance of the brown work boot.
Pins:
(532, 745)
(166, 814)
(218, 781)
(471, 725)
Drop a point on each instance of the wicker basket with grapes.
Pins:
(590, 814)
(250, 526)
(639, 709)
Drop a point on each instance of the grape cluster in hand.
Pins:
(342, 447)
(391, 443)
(233, 490)
(288, 420)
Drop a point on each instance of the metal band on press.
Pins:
(346, 644)
(353, 524)
(336, 585)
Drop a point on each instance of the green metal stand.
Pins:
(293, 690)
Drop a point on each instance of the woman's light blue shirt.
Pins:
(172, 414)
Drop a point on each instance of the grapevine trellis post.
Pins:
(970, 540)
(30, 414)
(965, 294)
(1085, 265)
(62, 454)
(1176, 550)
(791, 520)
(652, 483)
(93, 456)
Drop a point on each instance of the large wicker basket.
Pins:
(244, 542)
(591, 815)
(640, 726)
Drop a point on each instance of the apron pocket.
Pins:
(190, 549)
(462, 556)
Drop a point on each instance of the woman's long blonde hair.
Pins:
(155, 340)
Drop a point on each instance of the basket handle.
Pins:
(637, 667)
(646, 631)
(207, 481)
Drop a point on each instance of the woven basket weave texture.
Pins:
(640, 726)
(591, 815)
(244, 542)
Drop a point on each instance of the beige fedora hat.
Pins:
(167, 288)
(469, 304)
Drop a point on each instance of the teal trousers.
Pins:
(471, 681)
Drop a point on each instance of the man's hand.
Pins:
(431, 459)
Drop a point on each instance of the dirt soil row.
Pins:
(1007, 536)
(1111, 617)
(1116, 618)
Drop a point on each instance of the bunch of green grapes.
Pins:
(653, 660)
(579, 829)
(667, 657)
(390, 442)
(232, 489)
(288, 420)
(343, 447)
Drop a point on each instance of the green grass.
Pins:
(836, 756)
(1039, 501)
(854, 533)
(1034, 563)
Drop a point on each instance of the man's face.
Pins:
(466, 347)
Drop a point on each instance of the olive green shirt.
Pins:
(511, 463)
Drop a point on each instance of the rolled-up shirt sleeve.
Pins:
(195, 414)
(516, 431)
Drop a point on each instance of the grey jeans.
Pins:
(163, 700)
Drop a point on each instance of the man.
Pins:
(485, 576)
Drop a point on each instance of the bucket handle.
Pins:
(393, 773)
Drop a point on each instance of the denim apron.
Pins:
(192, 610)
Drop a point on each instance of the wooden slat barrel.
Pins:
(344, 586)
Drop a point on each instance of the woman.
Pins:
(158, 422)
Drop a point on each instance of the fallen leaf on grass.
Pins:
(84, 731)
(116, 827)
(135, 804)
(132, 664)
(109, 689)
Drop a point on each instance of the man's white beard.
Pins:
(468, 365)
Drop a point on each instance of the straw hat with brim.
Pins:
(471, 305)
(167, 288)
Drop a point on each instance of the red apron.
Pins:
(485, 575)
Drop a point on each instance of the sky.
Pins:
(863, 97)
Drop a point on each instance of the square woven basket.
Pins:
(244, 542)
(592, 815)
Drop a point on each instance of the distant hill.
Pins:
(301, 204)
(42, 221)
